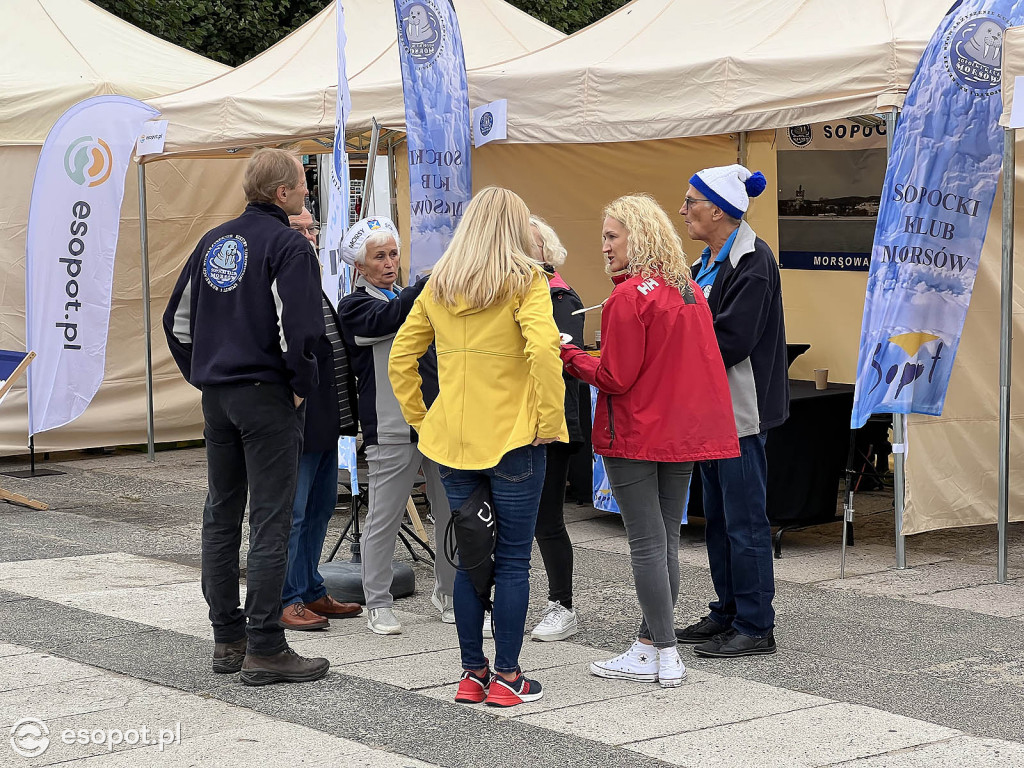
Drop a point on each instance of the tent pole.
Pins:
(371, 161)
(146, 319)
(1005, 353)
(742, 149)
(899, 437)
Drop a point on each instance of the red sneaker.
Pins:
(503, 693)
(473, 689)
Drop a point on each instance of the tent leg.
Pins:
(146, 319)
(899, 440)
(1005, 352)
(392, 180)
(899, 422)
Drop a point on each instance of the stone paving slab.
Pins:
(1006, 600)
(99, 691)
(804, 738)
(958, 752)
(360, 644)
(920, 580)
(30, 670)
(74, 575)
(661, 712)
(179, 606)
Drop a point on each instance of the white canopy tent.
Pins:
(287, 94)
(53, 54)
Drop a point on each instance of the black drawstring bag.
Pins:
(474, 541)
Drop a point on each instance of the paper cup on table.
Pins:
(821, 378)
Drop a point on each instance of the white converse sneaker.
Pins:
(383, 621)
(639, 663)
(443, 603)
(671, 671)
(487, 625)
(558, 623)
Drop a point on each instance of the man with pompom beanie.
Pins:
(740, 278)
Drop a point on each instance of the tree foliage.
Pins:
(233, 31)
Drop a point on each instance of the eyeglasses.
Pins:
(313, 229)
(688, 201)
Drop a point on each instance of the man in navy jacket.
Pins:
(242, 324)
(740, 279)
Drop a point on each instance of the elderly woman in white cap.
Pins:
(739, 276)
(370, 317)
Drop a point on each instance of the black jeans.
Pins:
(253, 442)
(552, 538)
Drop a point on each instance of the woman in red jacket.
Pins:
(663, 403)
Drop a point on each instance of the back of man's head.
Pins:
(268, 170)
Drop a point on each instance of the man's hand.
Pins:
(297, 400)
(543, 441)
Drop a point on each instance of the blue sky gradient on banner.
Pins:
(438, 125)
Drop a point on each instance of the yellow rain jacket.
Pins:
(499, 373)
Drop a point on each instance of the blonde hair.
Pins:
(652, 245)
(488, 261)
(554, 252)
(269, 169)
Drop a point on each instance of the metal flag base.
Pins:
(344, 581)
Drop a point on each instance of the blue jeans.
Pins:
(739, 539)
(316, 494)
(516, 483)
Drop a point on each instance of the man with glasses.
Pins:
(330, 413)
(740, 279)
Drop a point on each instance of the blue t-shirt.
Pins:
(709, 271)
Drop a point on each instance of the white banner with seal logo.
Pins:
(73, 221)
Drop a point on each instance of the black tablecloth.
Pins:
(806, 456)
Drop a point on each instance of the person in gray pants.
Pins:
(370, 318)
(663, 402)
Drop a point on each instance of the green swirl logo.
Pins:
(88, 161)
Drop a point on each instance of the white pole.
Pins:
(146, 319)
(371, 160)
(899, 438)
(1005, 352)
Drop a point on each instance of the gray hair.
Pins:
(372, 241)
(554, 252)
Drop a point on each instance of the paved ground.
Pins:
(103, 632)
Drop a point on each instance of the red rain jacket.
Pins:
(662, 390)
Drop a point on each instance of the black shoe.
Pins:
(228, 657)
(705, 629)
(734, 644)
(284, 667)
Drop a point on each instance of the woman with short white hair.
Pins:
(370, 317)
(559, 620)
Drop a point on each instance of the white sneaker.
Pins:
(383, 621)
(671, 671)
(558, 623)
(443, 603)
(639, 663)
(487, 625)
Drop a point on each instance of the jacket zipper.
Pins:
(611, 419)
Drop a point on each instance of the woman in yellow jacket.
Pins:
(487, 307)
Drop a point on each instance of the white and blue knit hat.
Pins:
(730, 187)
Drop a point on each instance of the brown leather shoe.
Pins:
(295, 616)
(284, 667)
(332, 609)
(228, 657)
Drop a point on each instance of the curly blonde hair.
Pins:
(652, 245)
(554, 252)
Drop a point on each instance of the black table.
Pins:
(807, 456)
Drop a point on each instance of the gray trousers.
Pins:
(650, 496)
(393, 470)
